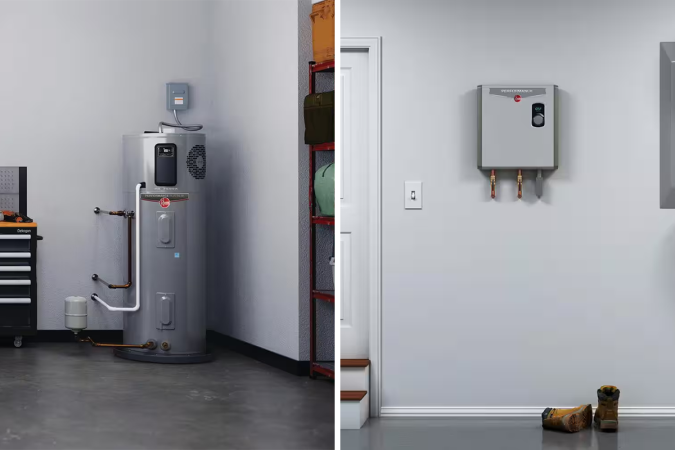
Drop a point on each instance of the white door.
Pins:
(353, 161)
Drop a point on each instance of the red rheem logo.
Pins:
(164, 202)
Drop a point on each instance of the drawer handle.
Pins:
(14, 268)
(14, 301)
(14, 282)
(15, 255)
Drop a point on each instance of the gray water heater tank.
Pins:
(173, 246)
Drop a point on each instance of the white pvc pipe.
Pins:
(137, 282)
(14, 282)
(14, 236)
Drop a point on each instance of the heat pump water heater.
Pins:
(165, 296)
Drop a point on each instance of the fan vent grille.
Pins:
(196, 162)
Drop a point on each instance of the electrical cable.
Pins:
(178, 124)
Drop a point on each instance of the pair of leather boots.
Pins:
(575, 419)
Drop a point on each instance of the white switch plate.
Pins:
(413, 195)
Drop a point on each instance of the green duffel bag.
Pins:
(324, 189)
(320, 118)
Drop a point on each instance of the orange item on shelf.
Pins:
(323, 30)
(12, 216)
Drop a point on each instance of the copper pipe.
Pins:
(493, 184)
(148, 344)
(98, 210)
(520, 183)
(128, 283)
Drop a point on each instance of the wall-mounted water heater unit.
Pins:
(518, 130)
(164, 207)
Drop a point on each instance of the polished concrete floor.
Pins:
(504, 434)
(74, 396)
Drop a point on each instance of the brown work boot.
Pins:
(607, 414)
(570, 420)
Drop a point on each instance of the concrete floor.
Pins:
(74, 396)
(504, 434)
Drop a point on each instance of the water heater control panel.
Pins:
(166, 168)
(517, 127)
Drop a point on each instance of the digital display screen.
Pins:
(165, 151)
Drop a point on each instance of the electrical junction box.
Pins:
(176, 96)
(517, 127)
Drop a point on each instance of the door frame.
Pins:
(373, 46)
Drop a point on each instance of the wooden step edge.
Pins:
(352, 396)
(354, 362)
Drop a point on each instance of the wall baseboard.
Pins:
(499, 411)
(300, 368)
(69, 336)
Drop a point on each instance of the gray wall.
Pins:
(523, 303)
(81, 74)
(254, 266)
(76, 75)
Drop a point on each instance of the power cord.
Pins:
(178, 124)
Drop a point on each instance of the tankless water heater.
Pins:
(518, 128)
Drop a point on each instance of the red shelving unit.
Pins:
(328, 296)
(323, 147)
(326, 368)
(320, 220)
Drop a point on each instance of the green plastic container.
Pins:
(324, 189)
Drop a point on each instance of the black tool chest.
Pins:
(18, 280)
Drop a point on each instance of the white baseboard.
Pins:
(499, 411)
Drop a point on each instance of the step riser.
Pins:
(355, 379)
(354, 414)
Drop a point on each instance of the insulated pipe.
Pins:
(137, 215)
(98, 210)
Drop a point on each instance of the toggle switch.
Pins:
(413, 195)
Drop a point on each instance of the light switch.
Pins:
(413, 195)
